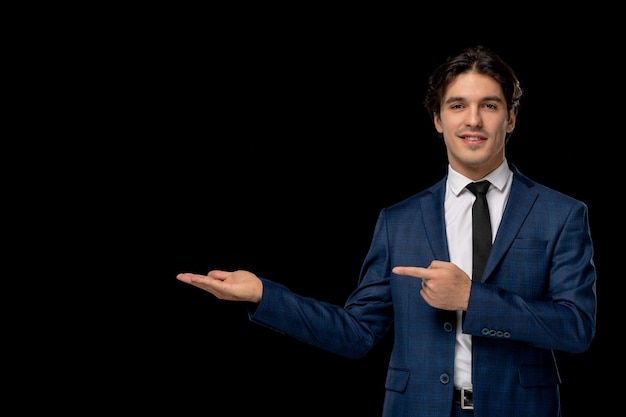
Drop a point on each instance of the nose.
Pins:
(473, 117)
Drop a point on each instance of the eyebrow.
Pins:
(487, 98)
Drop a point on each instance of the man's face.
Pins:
(474, 122)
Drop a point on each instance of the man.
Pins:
(463, 345)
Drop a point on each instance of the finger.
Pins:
(412, 271)
(197, 279)
(185, 277)
(438, 264)
(217, 274)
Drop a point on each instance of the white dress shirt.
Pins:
(458, 212)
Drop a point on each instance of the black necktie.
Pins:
(481, 228)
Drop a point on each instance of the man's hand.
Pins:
(225, 285)
(444, 285)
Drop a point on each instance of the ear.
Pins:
(437, 122)
(511, 123)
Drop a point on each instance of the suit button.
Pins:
(447, 326)
(444, 378)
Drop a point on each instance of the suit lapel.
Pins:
(433, 216)
(521, 200)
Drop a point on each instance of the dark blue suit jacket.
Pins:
(538, 295)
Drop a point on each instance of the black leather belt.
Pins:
(464, 397)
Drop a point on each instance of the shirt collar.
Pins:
(498, 178)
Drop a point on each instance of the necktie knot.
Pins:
(479, 187)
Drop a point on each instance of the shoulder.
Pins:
(523, 184)
(433, 193)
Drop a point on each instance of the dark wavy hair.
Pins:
(479, 59)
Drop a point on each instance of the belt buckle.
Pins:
(467, 399)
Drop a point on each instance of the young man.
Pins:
(481, 345)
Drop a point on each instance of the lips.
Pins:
(473, 138)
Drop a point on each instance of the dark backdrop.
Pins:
(273, 149)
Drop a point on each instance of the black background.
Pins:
(236, 143)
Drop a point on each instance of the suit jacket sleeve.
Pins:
(541, 289)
